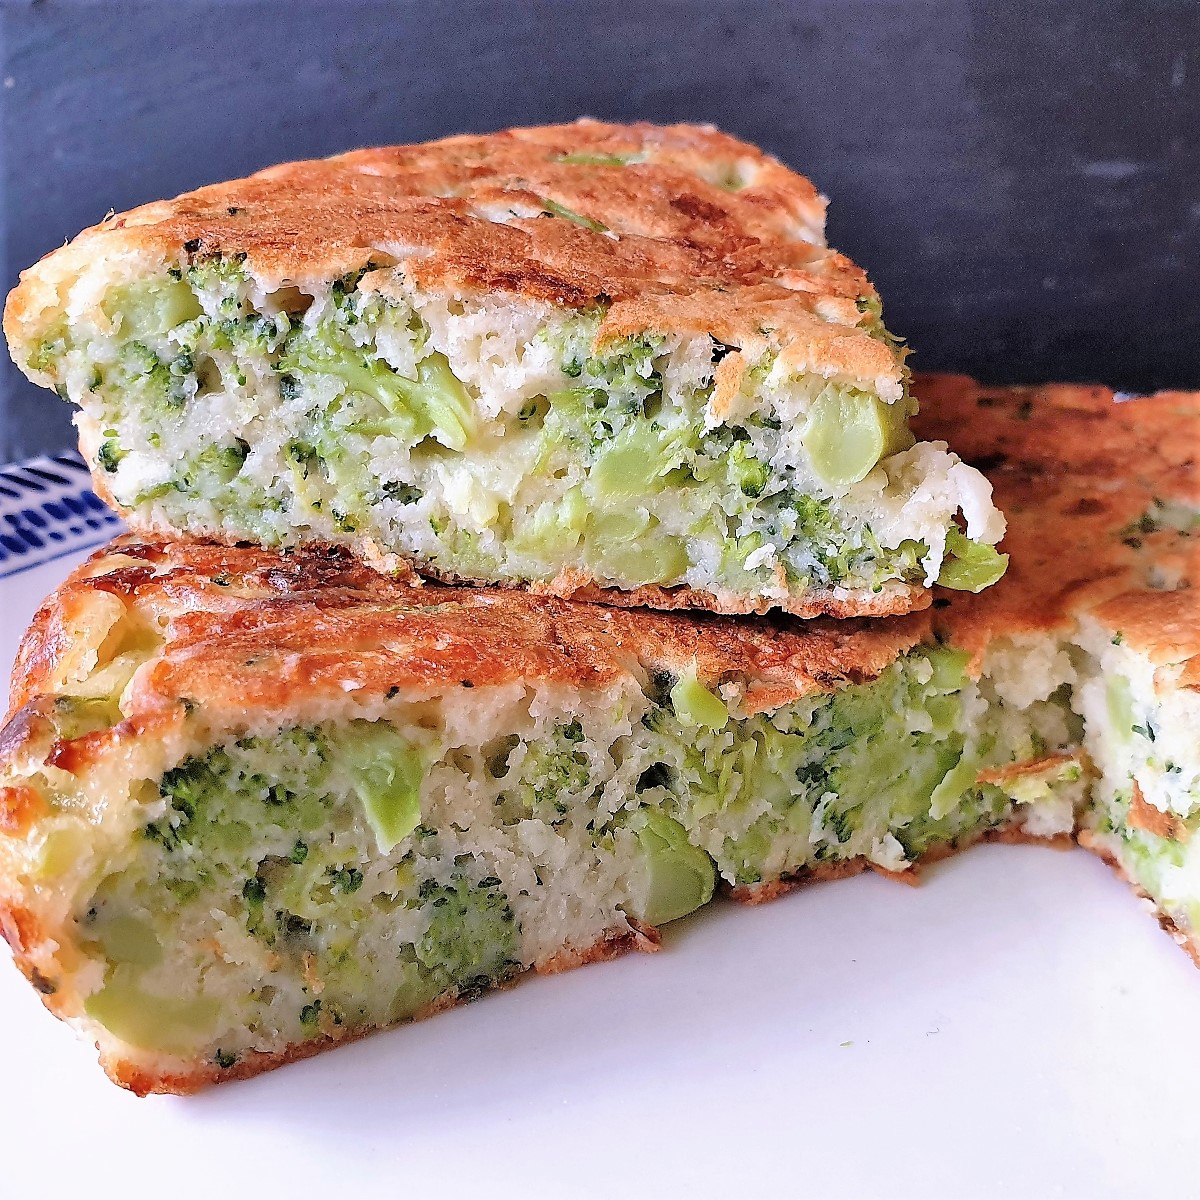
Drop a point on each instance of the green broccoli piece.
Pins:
(151, 308)
(222, 277)
(695, 705)
(971, 566)
(386, 771)
(471, 942)
(554, 209)
(554, 773)
(748, 474)
(872, 323)
(596, 160)
(681, 877)
(220, 464)
(187, 788)
(110, 454)
(434, 403)
(345, 881)
(49, 351)
(142, 381)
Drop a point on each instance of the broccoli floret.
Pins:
(74, 716)
(188, 787)
(815, 533)
(110, 454)
(628, 365)
(433, 403)
(972, 566)
(614, 390)
(695, 705)
(471, 942)
(221, 463)
(254, 893)
(49, 351)
(387, 772)
(679, 876)
(638, 459)
(156, 492)
(748, 474)
(871, 308)
(405, 493)
(345, 880)
(243, 334)
(812, 769)
(343, 520)
(221, 277)
(206, 473)
(150, 308)
(149, 384)
(209, 795)
(308, 1016)
(597, 160)
(554, 773)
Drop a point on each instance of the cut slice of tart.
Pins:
(252, 803)
(610, 362)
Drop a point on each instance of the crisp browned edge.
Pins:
(815, 602)
(1186, 941)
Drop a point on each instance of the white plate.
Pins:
(1016, 1027)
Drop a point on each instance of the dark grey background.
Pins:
(1022, 181)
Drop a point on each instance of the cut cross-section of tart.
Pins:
(252, 803)
(610, 362)
(1103, 494)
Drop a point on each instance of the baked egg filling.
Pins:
(501, 440)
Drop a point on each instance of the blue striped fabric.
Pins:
(48, 510)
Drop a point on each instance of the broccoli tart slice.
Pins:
(609, 362)
(255, 803)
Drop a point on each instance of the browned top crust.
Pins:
(683, 228)
(1095, 486)
(246, 630)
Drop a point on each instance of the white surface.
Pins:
(1016, 1027)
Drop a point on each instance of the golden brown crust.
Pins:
(893, 600)
(613, 944)
(250, 631)
(692, 231)
(1078, 471)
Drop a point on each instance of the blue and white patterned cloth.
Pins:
(48, 510)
